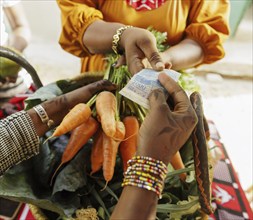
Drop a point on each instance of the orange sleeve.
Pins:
(209, 26)
(76, 16)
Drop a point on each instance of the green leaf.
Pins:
(180, 209)
(45, 163)
(100, 201)
(107, 188)
(73, 176)
(20, 187)
(42, 94)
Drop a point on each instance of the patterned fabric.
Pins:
(15, 104)
(145, 5)
(18, 140)
(230, 201)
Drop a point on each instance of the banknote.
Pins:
(141, 84)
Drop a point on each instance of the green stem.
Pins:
(92, 100)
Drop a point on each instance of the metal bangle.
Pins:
(116, 38)
(43, 115)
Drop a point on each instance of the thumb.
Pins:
(156, 61)
(156, 99)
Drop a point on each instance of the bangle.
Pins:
(146, 173)
(43, 115)
(116, 38)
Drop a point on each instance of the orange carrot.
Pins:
(110, 149)
(178, 164)
(128, 146)
(79, 136)
(106, 106)
(76, 116)
(97, 152)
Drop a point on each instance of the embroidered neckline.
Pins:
(145, 5)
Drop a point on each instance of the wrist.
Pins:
(117, 46)
(146, 173)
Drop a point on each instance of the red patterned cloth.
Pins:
(15, 104)
(230, 201)
(25, 213)
(145, 5)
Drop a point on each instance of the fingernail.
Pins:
(114, 64)
(160, 65)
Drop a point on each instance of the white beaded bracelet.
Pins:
(43, 115)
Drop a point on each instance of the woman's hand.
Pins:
(164, 131)
(139, 44)
(59, 106)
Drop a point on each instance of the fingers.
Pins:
(150, 51)
(100, 86)
(178, 95)
(168, 65)
(105, 85)
(157, 99)
(121, 61)
(134, 62)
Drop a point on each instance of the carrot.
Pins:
(106, 106)
(76, 116)
(97, 152)
(128, 147)
(178, 164)
(110, 149)
(79, 136)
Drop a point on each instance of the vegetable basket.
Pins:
(75, 192)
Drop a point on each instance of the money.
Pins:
(143, 83)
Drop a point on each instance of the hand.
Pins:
(59, 106)
(139, 44)
(84, 93)
(166, 60)
(164, 131)
(18, 42)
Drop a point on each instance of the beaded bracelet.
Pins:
(43, 115)
(148, 168)
(147, 173)
(155, 183)
(116, 38)
(148, 161)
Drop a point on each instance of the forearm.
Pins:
(186, 54)
(136, 203)
(18, 140)
(21, 33)
(58, 107)
(98, 36)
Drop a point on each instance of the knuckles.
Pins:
(191, 119)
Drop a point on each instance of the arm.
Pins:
(20, 131)
(188, 53)
(62, 104)
(84, 32)
(137, 44)
(21, 34)
(162, 134)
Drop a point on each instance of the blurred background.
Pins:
(226, 86)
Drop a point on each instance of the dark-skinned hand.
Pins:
(164, 131)
(139, 44)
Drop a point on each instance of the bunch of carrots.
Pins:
(113, 131)
(112, 121)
